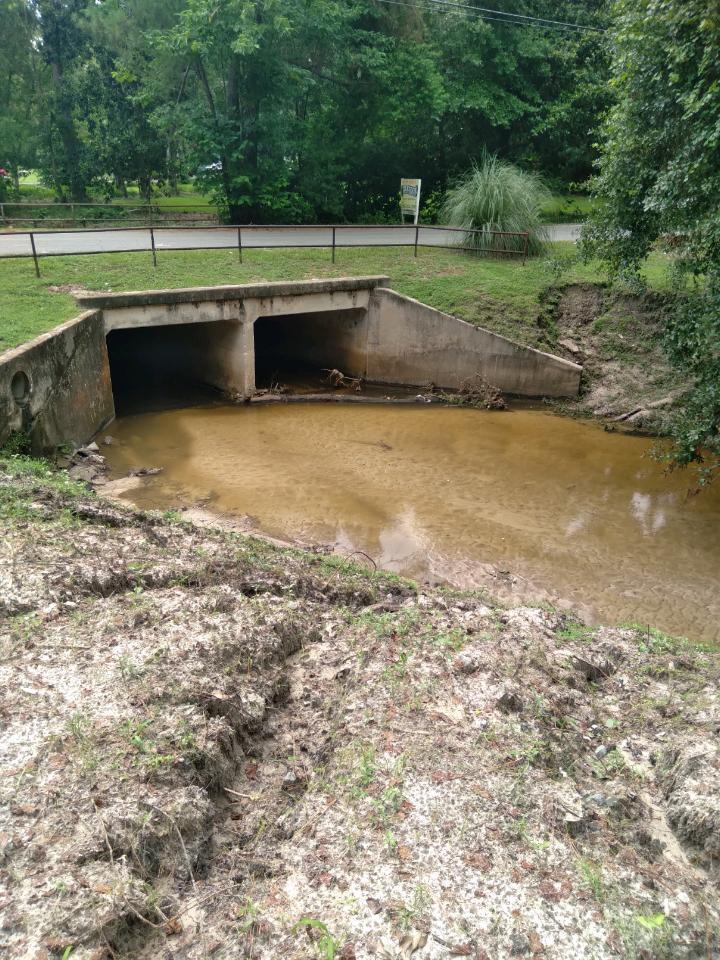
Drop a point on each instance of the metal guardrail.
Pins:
(242, 237)
(148, 212)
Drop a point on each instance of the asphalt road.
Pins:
(47, 243)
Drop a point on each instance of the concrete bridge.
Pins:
(62, 387)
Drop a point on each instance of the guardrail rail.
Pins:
(36, 244)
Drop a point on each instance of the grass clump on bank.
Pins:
(497, 196)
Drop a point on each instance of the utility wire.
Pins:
(504, 17)
(516, 16)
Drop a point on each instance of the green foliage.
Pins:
(17, 444)
(496, 195)
(326, 946)
(659, 181)
(296, 110)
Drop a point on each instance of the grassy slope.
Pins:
(501, 294)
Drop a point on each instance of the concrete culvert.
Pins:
(299, 349)
(160, 367)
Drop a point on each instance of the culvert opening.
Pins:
(156, 368)
(20, 388)
(297, 350)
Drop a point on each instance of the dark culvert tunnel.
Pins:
(297, 350)
(155, 368)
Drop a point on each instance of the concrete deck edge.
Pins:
(265, 290)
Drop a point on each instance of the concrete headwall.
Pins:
(57, 388)
(409, 342)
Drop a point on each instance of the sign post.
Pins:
(410, 199)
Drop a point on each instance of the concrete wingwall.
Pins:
(57, 388)
(411, 343)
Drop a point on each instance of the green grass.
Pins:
(501, 294)
(188, 201)
(566, 208)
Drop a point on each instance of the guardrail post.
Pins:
(526, 246)
(417, 231)
(333, 246)
(34, 253)
(152, 244)
(2, 212)
(239, 244)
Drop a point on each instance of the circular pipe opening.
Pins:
(20, 387)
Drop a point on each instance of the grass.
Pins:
(496, 195)
(566, 208)
(504, 295)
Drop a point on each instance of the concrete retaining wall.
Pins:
(409, 342)
(57, 388)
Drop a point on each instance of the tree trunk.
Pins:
(68, 135)
(145, 186)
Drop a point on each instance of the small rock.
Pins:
(466, 663)
(569, 345)
(293, 783)
(83, 472)
(109, 441)
(601, 751)
(599, 799)
(144, 471)
(594, 670)
(519, 945)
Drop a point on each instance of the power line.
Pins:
(516, 16)
(482, 13)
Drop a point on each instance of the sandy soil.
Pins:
(213, 747)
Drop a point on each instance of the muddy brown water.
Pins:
(533, 505)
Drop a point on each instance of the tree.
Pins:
(62, 44)
(659, 177)
(19, 85)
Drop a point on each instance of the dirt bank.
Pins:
(627, 380)
(215, 748)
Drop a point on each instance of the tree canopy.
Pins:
(659, 181)
(293, 110)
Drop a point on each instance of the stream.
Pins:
(531, 505)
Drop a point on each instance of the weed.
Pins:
(366, 766)
(593, 879)
(575, 630)
(248, 912)
(326, 946)
(129, 670)
(387, 805)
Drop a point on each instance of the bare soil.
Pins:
(627, 378)
(213, 747)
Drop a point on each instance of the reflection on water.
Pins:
(452, 495)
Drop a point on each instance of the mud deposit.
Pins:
(534, 505)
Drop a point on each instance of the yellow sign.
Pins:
(410, 198)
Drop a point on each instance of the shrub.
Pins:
(497, 195)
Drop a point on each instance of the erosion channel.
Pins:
(534, 505)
